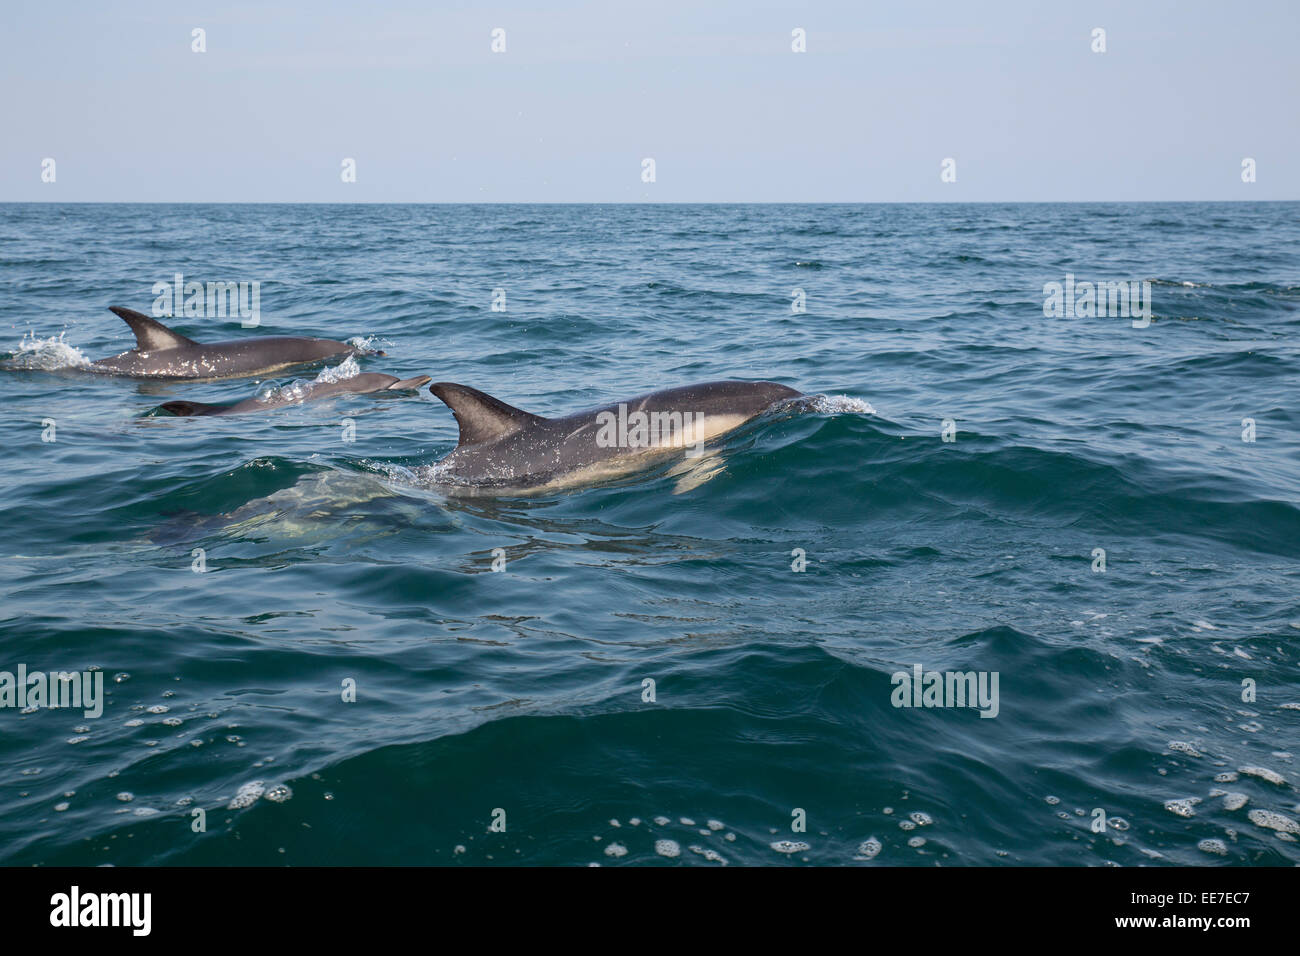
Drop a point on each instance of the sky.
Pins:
(1012, 92)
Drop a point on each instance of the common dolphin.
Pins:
(161, 353)
(362, 384)
(506, 448)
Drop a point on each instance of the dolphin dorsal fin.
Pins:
(150, 334)
(481, 417)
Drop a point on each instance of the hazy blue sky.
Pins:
(712, 91)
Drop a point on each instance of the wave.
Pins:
(838, 465)
(829, 454)
(691, 782)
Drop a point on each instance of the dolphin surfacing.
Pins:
(506, 449)
(161, 353)
(363, 384)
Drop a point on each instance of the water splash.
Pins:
(840, 405)
(348, 368)
(46, 354)
(299, 389)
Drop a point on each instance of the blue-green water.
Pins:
(522, 691)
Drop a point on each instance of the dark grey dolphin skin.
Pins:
(505, 448)
(163, 354)
(362, 384)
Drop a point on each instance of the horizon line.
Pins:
(600, 202)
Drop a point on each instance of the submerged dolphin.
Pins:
(161, 353)
(362, 384)
(502, 447)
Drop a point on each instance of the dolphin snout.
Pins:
(411, 383)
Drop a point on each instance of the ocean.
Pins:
(312, 654)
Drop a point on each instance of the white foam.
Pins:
(247, 795)
(616, 850)
(868, 849)
(46, 354)
(1217, 847)
(710, 855)
(1273, 821)
(788, 846)
(1184, 807)
(1263, 773)
(668, 848)
(278, 793)
(840, 405)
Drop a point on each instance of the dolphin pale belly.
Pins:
(161, 353)
(363, 384)
(508, 449)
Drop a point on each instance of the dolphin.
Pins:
(362, 384)
(507, 449)
(161, 353)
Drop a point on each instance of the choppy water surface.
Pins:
(1120, 691)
